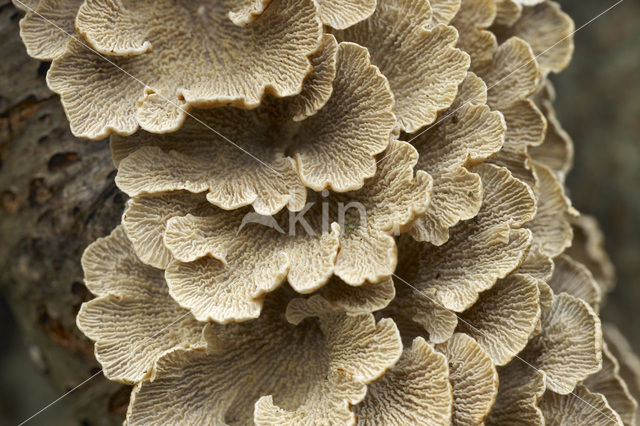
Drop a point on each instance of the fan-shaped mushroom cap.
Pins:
(398, 33)
(512, 76)
(472, 21)
(25, 5)
(362, 299)
(519, 393)
(415, 391)
(569, 346)
(572, 277)
(551, 228)
(528, 2)
(334, 148)
(547, 29)
(341, 14)
(609, 383)
(225, 264)
(480, 251)
(546, 297)
(492, 321)
(556, 151)
(47, 26)
(201, 59)
(628, 361)
(526, 127)
(588, 248)
(145, 221)
(134, 320)
(367, 253)
(473, 378)
(537, 265)
(318, 86)
(356, 119)
(443, 11)
(467, 133)
(581, 407)
(416, 312)
(222, 262)
(507, 11)
(244, 12)
(392, 200)
(308, 370)
(439, 281)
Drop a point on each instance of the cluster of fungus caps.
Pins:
(341, 212)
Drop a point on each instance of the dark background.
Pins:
(598, 103)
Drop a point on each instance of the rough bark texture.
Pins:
(56, 196)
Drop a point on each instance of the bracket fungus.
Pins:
(443, 11)
(468, 134)
(609, 382)
(512, 76)
(568, 348)
(399, 32)
(47, 26)
(341, 212)
(246, 11)
(416, 390)
(481, 250)
(582, 407)
(133, 319)
(350, 121)
(220, 263)
(472, 21)
(572, 277)
(359, 299)
(473, 378)
(150, 58)
(556, 151)
(588, 248)
(548, 31)
(519, 393)
(306, 368)
(492, 323)
(341, 14)
(628, 366)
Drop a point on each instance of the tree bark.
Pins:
(57, 195)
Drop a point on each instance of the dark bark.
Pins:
(57, 195)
